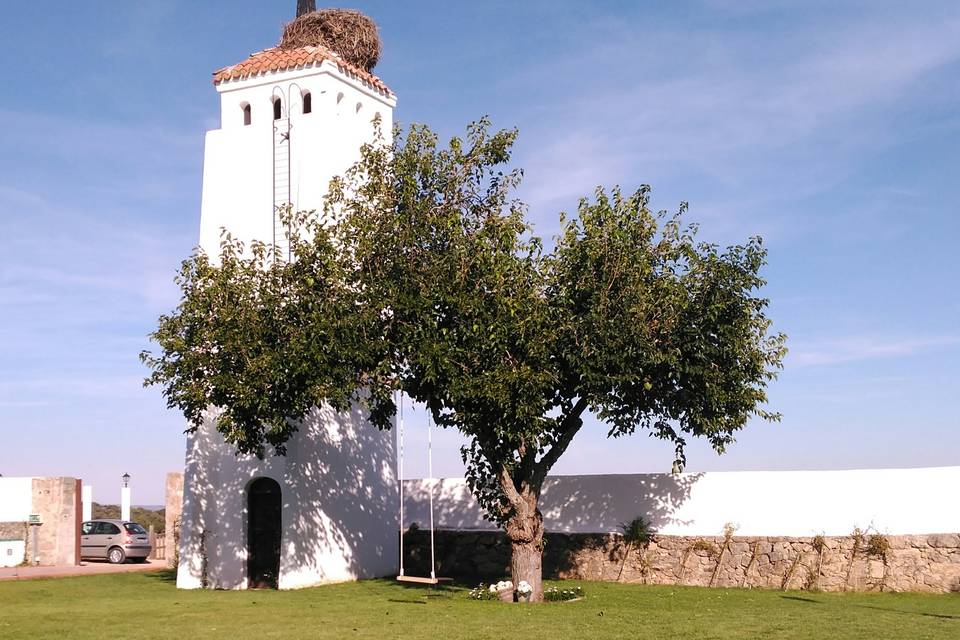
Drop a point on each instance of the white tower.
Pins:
(291, 119)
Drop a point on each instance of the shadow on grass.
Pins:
(425, 592)
(942, 616)
(802, 599)
(925, 614)
(165, 575)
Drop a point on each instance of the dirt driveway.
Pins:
(87, 568)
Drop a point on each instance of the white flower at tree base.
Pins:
(524, 587)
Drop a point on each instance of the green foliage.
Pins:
(706, 546)
(141, 516)
(878, 545)
(488, 592)
(483, 592)
(558, 594)
(105, 511)
(819, 543)
(422, 275)
(638, 531)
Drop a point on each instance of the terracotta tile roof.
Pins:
(277, 59)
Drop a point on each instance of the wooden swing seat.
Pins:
(420, 580)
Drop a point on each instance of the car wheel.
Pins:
(116, 555)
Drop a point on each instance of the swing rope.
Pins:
(400, 474)
(433, 579)
(433, 561)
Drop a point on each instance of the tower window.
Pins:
(277, 108)
(246, 114)
(307, 102)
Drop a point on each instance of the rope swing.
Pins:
(433, 579)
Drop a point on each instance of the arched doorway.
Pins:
(263, 533)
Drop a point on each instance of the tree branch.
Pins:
(509, 489)
(568, 428)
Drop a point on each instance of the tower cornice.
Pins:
(277, 59)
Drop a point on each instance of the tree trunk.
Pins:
(525, 530)
(526, 563)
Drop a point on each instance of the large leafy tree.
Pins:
(422, 275)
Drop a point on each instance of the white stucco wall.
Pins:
(11, 552)
(338, 492)
(238, 160)
(86, 499)
(16, 499)
(337, 481)
(761, 503)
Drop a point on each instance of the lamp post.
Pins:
(125, 498)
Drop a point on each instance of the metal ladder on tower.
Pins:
(281, 185)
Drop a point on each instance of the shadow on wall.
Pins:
(338, 494)
(594, 504)
(591, 505)
(570, 504)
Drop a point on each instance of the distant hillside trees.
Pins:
(141, 516)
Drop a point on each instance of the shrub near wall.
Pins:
(928, 563)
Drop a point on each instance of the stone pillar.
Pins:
(57, 501)
(174, 508)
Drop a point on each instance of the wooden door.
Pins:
(263, 533)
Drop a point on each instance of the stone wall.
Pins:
(57, 500)
(174, 507)
(13, 531)
(911, 563)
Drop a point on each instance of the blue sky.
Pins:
(829, 128)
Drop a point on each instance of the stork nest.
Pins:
(350, 34)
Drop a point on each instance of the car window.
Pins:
(108, 528)
(133, 527)
(87, 528)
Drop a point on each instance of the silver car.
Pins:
(115, 540)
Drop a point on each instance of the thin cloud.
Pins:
(858, 349)
(744, 113)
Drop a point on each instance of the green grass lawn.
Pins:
(146, 605)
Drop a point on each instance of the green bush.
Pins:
(555, 594)
(483, 592)
(638, 531)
